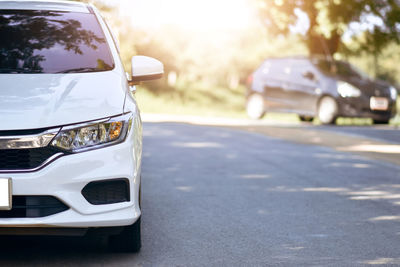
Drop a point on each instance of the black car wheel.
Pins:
(129, 240)
(306, 118)
(255, 106)
(327, 110)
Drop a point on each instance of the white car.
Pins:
(70, 128)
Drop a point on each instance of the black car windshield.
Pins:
(338, 68)
(42, 41)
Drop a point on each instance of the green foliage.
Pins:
(330, 19)
(385, 66)
(194, 98)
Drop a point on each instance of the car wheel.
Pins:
(306, 118)
(385, 121)
(255, 106)
(327, 110)
(129, 240)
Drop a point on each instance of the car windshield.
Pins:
(42, 41)
(338, 68)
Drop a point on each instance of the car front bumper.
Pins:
(65, 178)
(360, 107)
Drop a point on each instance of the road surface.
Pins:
(218, 196)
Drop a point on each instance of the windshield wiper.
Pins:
(78, 70)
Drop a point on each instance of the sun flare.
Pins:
(193, 14)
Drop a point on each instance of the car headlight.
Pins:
(348, 90)
(393, 93)
(82, 137)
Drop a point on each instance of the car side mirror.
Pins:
(145, 69)
(309, 75)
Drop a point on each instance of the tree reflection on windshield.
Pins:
(50, 41)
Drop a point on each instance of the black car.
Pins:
(317, 87)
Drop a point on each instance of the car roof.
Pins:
(67, 6)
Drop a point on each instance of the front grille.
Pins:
(107, 192)
(23, 159)
(33, 207)
(23, 132)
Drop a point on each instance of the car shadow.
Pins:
(56, 250)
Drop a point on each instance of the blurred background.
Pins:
(210, 47)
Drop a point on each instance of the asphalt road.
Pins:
(380, 132)
(227, 197)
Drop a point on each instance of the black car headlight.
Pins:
(93, 135)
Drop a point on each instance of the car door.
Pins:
(276, 78)
(303, 87)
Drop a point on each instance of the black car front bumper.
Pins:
(360, 107)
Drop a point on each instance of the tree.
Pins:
(329, 19)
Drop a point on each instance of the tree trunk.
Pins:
(319, 45)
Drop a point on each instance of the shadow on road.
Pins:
(38, 250)
(61, 251)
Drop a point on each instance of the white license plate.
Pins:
(379, 103)
(5, 194)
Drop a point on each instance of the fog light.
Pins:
(107, 192)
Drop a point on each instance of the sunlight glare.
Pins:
(193, 14)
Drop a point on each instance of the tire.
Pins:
(328, 110)
(255, 106)
(306, 118)
(384, 121)
(129, 240)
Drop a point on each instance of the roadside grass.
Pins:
(201, 100)
(196, 100)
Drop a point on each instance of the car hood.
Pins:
(369, 87)
(33, 101)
